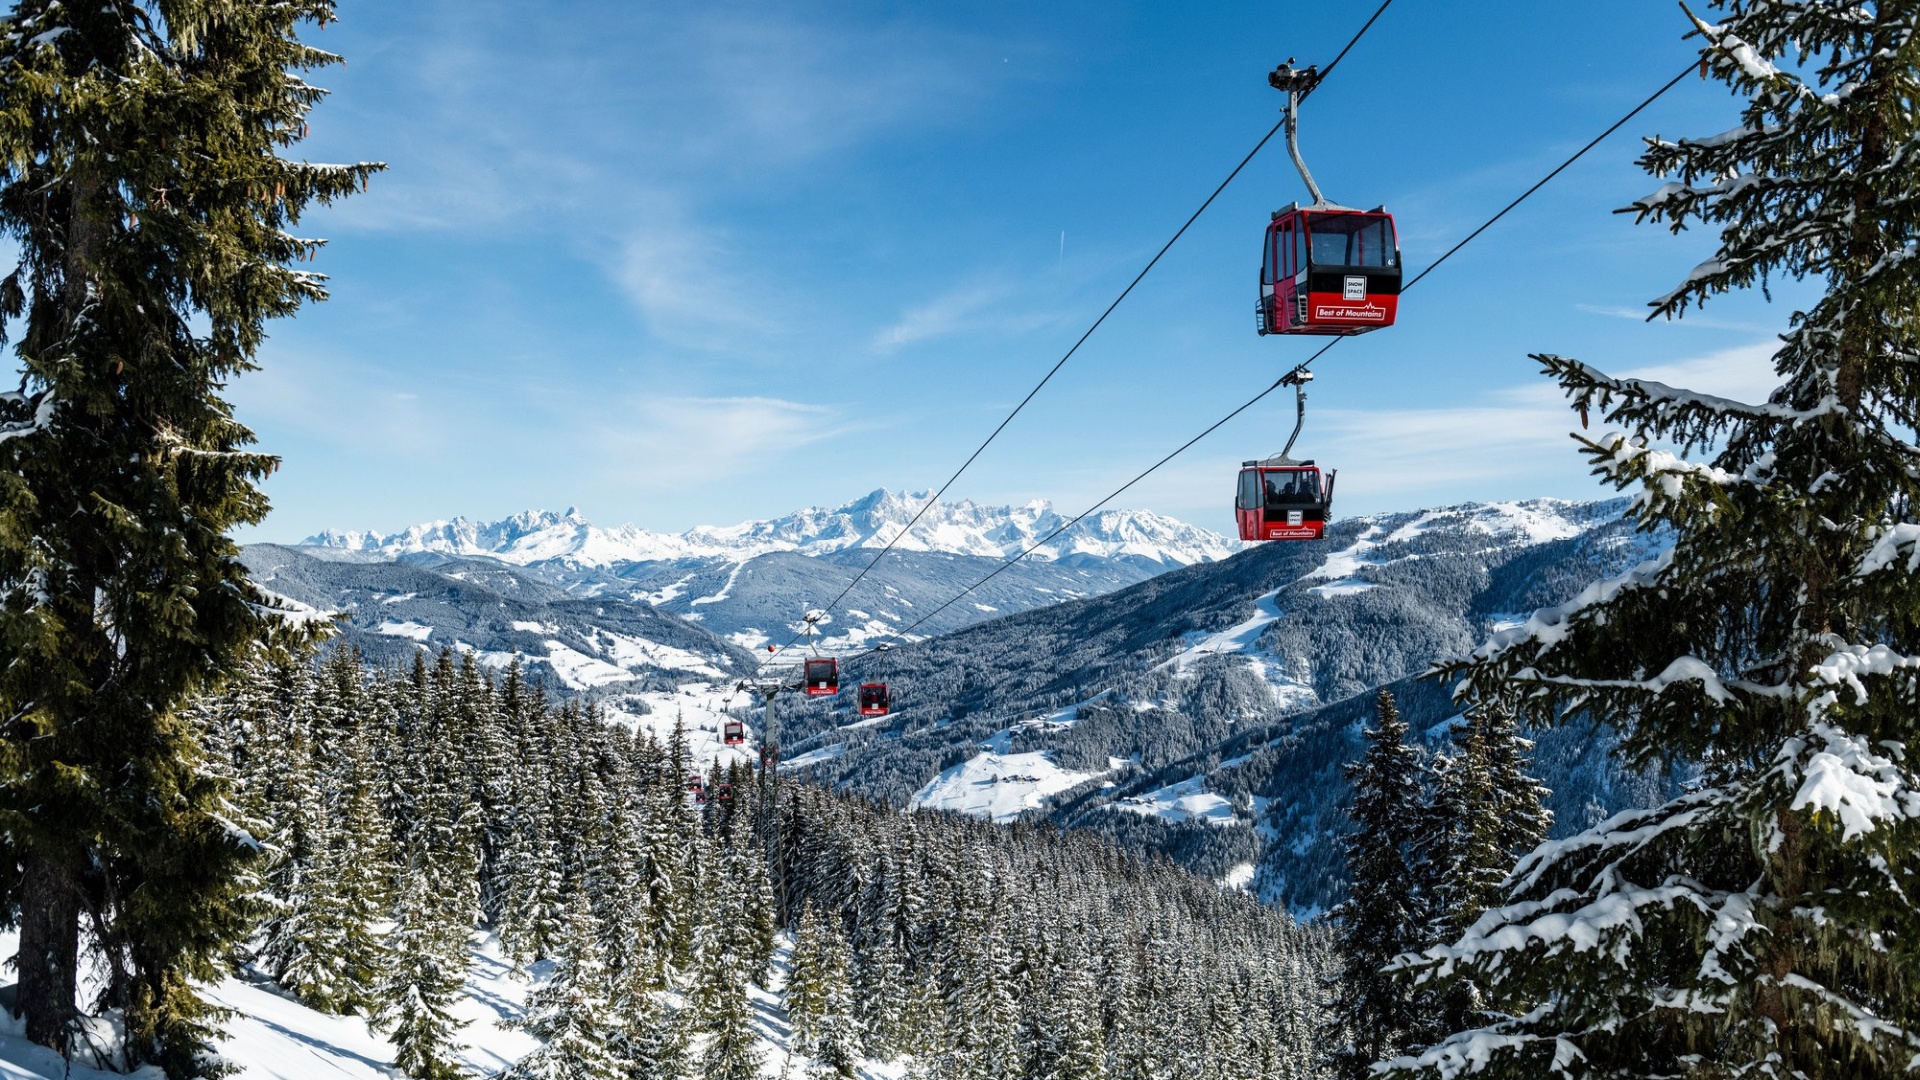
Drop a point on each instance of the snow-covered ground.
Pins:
(1187, 800)
(1001, 786)
(273, 1037)
(1243, 640)
(700, 708)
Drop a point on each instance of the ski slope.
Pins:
(273, 1037)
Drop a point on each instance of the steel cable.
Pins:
(1068, 355)
(901, 635)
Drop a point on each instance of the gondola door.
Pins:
(1248, 504)
(1286, 255)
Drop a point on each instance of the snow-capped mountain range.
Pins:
(537, 537)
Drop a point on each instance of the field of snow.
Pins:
(701, 708)
(1187, 800)
(632, 652)
(1242, 639)
(273, 1037)
(1000, 786)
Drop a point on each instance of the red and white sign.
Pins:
(1345, 312)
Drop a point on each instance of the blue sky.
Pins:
(678, 264)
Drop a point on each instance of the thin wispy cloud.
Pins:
(1693, 320)
(948, 314)
(998, 308)
(1393, 455)
(688, 282)
(685, 442)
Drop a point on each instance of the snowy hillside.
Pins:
(1204, 712)
(271, 1036)
(389, 611)
(958, 528)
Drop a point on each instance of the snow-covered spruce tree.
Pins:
(805, 992)
(141, 178)
(1078, 1050)
(1521, 797)
(570, 1014)
(1372, 1013)
(1764, 923)
(723, 1010)
(819, 995)
(1485, 813)
(649, 1028)
(415, 995)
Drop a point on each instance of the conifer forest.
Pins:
(1512, 788)
(402, 809)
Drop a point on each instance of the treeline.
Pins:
(1435, 836)
(398, 812)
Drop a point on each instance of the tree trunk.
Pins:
(49, 950)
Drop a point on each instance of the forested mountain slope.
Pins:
(400, 812)
(496, 613)
(1118, 712)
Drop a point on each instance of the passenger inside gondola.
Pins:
(1351, 240)
(1297, 488)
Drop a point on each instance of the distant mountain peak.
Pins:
(961, 527)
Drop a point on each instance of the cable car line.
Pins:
(1355, 40)
(1055, 369)
(1051, 372)
(1542, 182)
(1292, 377)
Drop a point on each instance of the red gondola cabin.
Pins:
(1328, 271)
(736, 733)
(822, 676)
(697, 788)
(874, 699)
(723, 793)
(1283, 499)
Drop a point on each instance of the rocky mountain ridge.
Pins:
(963, 527)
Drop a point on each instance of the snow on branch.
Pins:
(41, 418)
(1752, 66)
(1662, 471)
(1888, 546)
(1866, 1025)
(1839, 776)
(1683, 670)
(1549, 626)
(1848, 665)
(1744, 56)
(1589, 387)
(292, 613)
(1623, 834)
(1611, 919)
(1470, 1052)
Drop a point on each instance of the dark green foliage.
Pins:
(1762, 923)
(141, 178)
(1373, 1014)
(1483, 813)
(976, 950)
